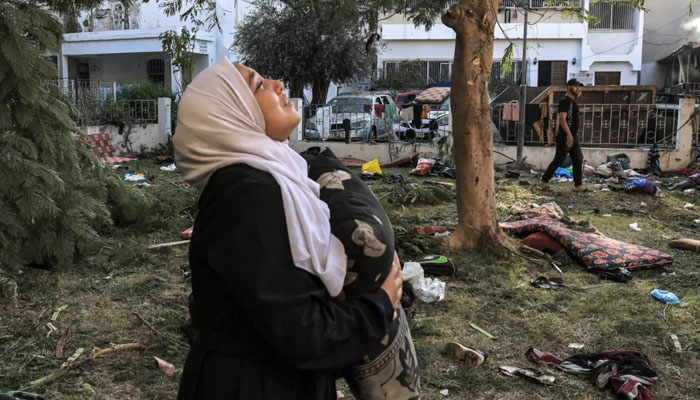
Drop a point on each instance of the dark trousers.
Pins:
(563, 151)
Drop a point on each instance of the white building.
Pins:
(666, 29)
(559, 47)
(111, 44)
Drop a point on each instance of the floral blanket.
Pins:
(608, 258)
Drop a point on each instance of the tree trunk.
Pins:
(320, 91)
(473, 22)
(296, 89)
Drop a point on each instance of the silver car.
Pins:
(366, 116)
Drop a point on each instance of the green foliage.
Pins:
(146, 90)
(179, 48)
(410, 74)
(54, 198)
(306, 42)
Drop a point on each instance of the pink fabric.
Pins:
(511, 112)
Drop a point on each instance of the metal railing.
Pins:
(117, 112)
(372, 123)
(686, 87)
(600, 125)
(615, 15)
(556, 4)
(79, 90)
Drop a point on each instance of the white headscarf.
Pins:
(220, 123)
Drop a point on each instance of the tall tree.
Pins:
(306, 43)
(54, 198)
(474, 23)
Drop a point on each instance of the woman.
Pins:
(265, 266)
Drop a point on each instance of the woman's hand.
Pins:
(393, 285)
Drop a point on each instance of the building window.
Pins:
(552, 73)
(607, 78)
(155, 69)
(513, 76)
(615, 15)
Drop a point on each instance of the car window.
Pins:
(445, 106)
(377, 100)
(350, 104)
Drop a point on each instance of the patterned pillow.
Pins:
(359, 221)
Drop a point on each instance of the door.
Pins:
(551, 73)
(607, 78)
(544, 73)
(559, 70)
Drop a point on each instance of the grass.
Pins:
(106, 291)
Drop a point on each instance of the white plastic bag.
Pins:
(427, 289)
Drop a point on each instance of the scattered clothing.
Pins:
(511, 112)
(551, 210)
(563, 172)
(622, 158)
(626, 373)
(641, 185)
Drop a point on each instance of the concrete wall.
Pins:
(141, 137)
(137, 138)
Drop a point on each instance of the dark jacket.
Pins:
(266, 329)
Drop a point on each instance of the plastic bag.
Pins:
(427, 289)
(134, 177)
(412, 271)
(372, 166)
(665, 296)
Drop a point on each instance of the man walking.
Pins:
(567, 138)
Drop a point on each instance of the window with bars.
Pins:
(155, 70)
(616, 15)
(433, 71)
(498, 73)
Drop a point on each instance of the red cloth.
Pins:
(542, 241)
(101, 145)
(379, 110)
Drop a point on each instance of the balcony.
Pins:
(615, 16)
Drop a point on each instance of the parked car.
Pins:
(404, 98)
(367, 115)
(436, 126)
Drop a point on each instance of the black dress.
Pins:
(266, 329)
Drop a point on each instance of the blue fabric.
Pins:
(562, 172)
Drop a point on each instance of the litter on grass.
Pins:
(665, 296)
(134, 177)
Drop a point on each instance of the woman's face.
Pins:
(281, 116)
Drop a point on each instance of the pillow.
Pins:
(358, 221)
